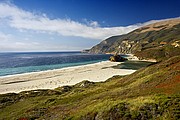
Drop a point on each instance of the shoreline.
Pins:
(64, 67)
(131, 57)
(51, 79)
(50, 70)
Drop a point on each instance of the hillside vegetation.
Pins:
(150, 93)
(156, 41)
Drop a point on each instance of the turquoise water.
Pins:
(19, 70)
(17, 63)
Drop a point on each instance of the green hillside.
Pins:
(149, 93)
(163, 41)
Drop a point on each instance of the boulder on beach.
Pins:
(117, 58)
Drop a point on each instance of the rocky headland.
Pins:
(152, 92)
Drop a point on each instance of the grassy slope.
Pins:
(156, 51)
(149, 93)
(143, 44)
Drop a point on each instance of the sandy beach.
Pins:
(59, 77)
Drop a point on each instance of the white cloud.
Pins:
(16, 26)
(34, 46)
(4, 37)
(94, 24)
(24, 20)
(18, 46)
(91, 23)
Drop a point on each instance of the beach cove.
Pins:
(51, 79)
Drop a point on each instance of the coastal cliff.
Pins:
(155, 41)
(151, 92)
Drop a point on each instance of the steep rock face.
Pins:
(159, 35)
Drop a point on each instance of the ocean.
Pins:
(24, 62)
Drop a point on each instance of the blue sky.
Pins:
(68, 25)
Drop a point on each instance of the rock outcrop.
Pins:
(158, 37)
(117, 58)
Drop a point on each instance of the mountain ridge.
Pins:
(160, 35)
(151, 92)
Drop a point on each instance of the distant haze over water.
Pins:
(16, 63)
